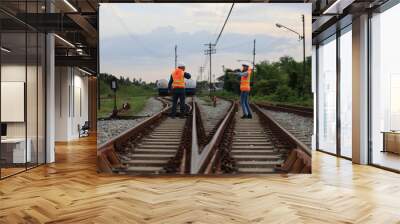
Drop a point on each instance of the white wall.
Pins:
(16, 73)
(62, 82)
(71, 102)
(33, 105)
(12, 73)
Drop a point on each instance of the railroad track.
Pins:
(164, 145)
(152, 153)
(258, 146)
(302, 111)
(154, 146)
(253, 148)
(297, 120)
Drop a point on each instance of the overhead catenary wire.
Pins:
(219, 20)
(212, 46)
(222, 29)
(214, 33)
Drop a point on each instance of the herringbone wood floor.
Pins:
(70, 191)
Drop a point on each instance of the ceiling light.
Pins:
(64, 40)
(338, 6)
(70, 5)
(84, 71)
(5, 50)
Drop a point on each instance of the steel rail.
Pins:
(298, 160)
(303, 111)
(183, 153)
(201, 160)
(285, 133)
(107, 158)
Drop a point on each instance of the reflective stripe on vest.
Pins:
(245, 81)
(178, 79)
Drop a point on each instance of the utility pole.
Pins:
(209, 51)
(301, 37)
(254, 60)
(176, 56)
(201, 70)
(304, 57)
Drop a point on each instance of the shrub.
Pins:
(283, 93)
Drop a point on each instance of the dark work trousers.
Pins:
(178, 94)
(244, 102)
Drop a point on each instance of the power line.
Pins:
(226, 20)
(220, 19)
(211, 46)
(254, 61)
(176, 56)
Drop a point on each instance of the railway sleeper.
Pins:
(152, 152)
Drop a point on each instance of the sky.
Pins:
(138, 40)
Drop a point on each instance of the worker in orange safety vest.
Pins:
(177, 86)
(245, 76)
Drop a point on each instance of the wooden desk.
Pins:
(391, 141)
(13, 150)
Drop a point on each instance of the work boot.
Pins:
(243, 117)
(249, 116)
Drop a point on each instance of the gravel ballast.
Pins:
(212, 115)
(301, 127)
(108, 129)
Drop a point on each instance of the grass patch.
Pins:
(135, 95)
(227, 95)
(137, 104)
(305, 102)
(206, 99)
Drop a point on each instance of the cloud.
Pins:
(137, 40)
(192, 17)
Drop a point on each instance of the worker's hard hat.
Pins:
(181, 65)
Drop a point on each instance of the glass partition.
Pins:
(14, 151)
(327, 95)
(346, 93)
(41, 97)
(22, 77)
(385, 89)
(32, 98)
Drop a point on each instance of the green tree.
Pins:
(283, 93)
(231, 82)
(281, 81)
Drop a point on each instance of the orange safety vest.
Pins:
(245, 81)
(178, 77)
